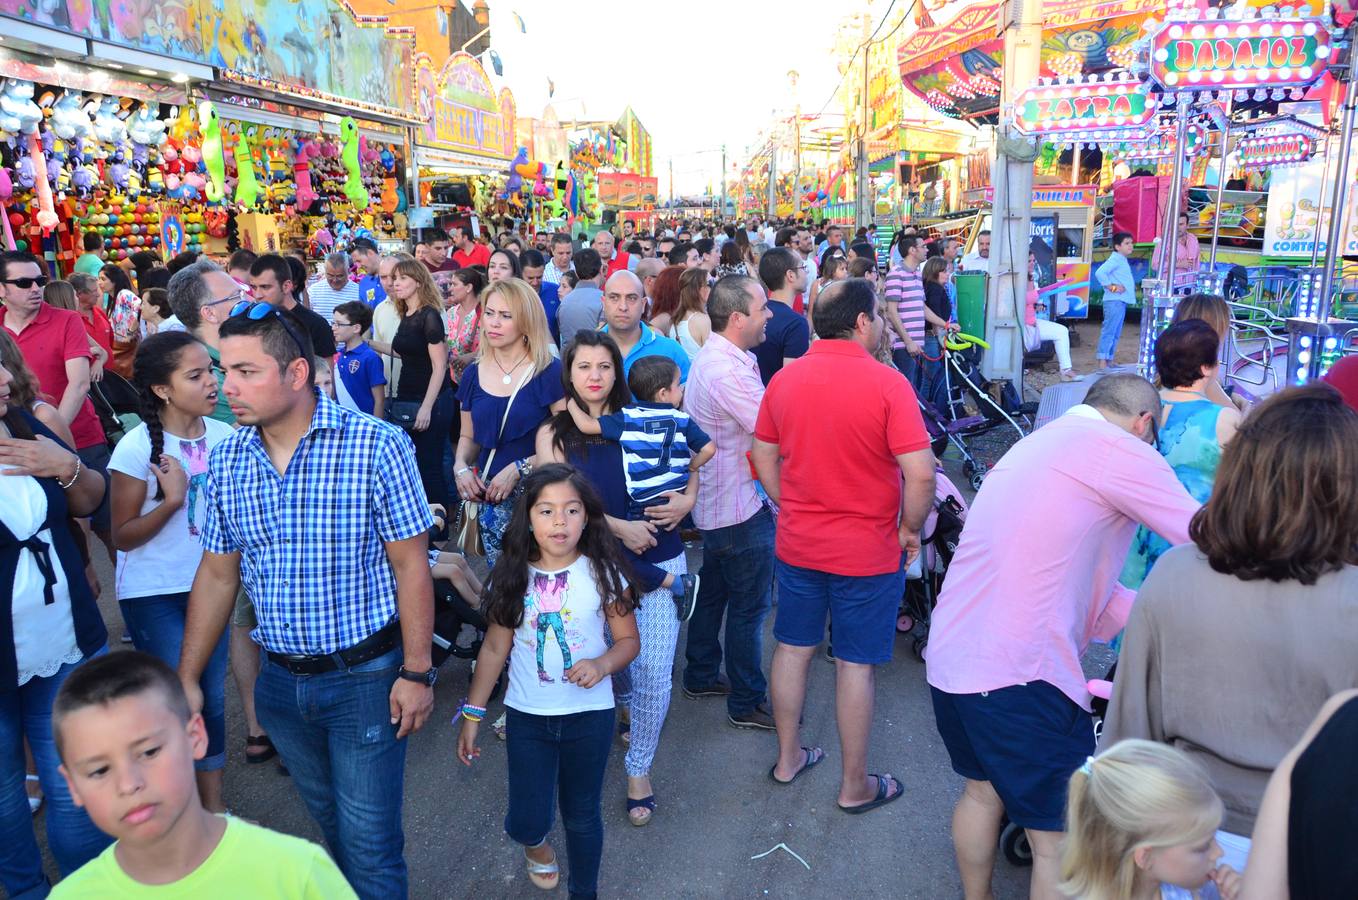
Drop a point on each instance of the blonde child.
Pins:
(1141, 822)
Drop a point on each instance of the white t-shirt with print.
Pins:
(563, 623)
(167, 562)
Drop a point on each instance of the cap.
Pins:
(364, 243)
(1343, 377)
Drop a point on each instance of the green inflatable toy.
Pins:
(247, 186)
(353, 185)
(213, 159)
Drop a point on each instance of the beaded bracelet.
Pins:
(469, 712)
(74, 478)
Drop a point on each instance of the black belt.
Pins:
(371, 647)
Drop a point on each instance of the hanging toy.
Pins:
(69, 121)
(6, 191)
(301, 173)
(47, 216)
(353, 185)
(108, 128)
(213, 158)
(18, 113)
(247, 186)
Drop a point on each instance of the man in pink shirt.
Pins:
(1033, 582)
(723, 395)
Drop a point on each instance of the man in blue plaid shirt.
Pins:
(321, 512)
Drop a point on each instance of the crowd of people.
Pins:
(537, 422)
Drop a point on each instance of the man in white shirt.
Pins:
(978, 260)
(804, 242)
(560, 262)
(335, 288)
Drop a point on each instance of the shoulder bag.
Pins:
(469, 520)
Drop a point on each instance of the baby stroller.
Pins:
(998, 403)
(117, 404)
(938, 543)
(945, 432)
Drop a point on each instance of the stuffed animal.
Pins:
(353, 185)
(69, 120)
(46, 216)
(301, 173)
(108, 128)
(18, 113)
(145, 126)
(213, 158)
(247, 186)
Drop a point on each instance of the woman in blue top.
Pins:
(1193, 428)
(49, 624)
(592, 369)
(498, 437)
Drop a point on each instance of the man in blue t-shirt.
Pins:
(364, 252)
(534, 268)
(787, 336)
(624, 302)
(360, 382)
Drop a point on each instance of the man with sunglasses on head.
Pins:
(54, 345)
(319, 511)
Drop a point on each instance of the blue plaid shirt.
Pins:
(311, 539)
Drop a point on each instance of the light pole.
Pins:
(792, 77)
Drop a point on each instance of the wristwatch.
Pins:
(426, 678)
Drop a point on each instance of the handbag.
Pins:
(468, 530)
(402, 413)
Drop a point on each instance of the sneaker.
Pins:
(685, 592)
(760, 717)
(719, 688)
(127, 637)
(829, 653)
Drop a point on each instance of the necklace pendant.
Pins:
(506, 379)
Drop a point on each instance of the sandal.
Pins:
(812, 756)
(647, 807)
(543, 875)
(884, 796)
(259, 740)
(500, 725)
(34, 800)
(625, 726)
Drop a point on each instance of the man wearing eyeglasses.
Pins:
(201, 295)
(54, 345)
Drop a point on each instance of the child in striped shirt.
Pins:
(661, 445)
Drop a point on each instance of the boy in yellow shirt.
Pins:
(127, 744)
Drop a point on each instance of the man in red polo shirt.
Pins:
(467, 252)
(614, 260)
(56, 349)
(836, 432)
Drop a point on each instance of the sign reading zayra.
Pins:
(1057, 109)
(1250, 54)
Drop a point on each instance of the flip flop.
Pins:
(543, 875)
(812, 756)
(646, 803)
(884, 796)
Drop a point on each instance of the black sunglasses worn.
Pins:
(24, 284)
(257, 310)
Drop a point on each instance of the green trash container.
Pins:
(971, 302)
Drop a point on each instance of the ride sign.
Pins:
(1253, 53)
(1081, 107)
(1263, 151)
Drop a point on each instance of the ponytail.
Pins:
(156, 360)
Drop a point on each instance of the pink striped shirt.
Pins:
(722, 395)
(1035, 575)
(905, 288)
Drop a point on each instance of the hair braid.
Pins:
(157, 358)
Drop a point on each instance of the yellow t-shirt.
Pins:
(250, 861)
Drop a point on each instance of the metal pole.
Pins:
(864, 210)
(1176, 187)
(671, 180)
(722, 216)
(773, 176)
(1340, 198)
(1221, 186)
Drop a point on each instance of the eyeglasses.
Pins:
(256, 311)
(24, 284)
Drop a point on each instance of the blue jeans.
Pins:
(930, 384)
(335, 735)
(71, 836)
(157, 627)
(908, 366)
(563, 756)
(736, 579)
(1114, 312)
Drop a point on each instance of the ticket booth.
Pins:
(1061, 239)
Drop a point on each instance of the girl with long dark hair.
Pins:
(159, 480)
(558, 586)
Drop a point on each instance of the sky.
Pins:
(698, 74)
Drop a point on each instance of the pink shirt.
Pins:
(722, 395)
(1035, 576)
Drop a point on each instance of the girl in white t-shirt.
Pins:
(557, 589)
(159, 476)
(1141, 824)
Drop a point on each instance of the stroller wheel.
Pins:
(905, 623)
(976, 476)
(917, 647)
(1014, 844)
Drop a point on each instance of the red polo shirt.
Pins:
(55, 336)
(479, 256)
(98, 327)
(840, 418)
(619, 262)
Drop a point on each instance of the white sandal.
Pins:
(543, 875)
(34, 803)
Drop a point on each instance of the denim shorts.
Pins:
(863, 609)
(1026, 740)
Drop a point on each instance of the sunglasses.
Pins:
(24, 284)
(256, 311)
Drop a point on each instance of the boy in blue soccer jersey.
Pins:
(661, 445)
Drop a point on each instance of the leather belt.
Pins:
(374, 645)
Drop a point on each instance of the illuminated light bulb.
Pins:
(1331, 343)
(1304, 340)
(1304, 357)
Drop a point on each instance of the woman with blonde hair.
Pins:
(691, 324)
(1141, 821)
(423, 402)
(512, 388)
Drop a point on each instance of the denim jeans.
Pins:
(737, 579)
(335, 735)
(1114, 312)
(71, 836)
(157, 627)
(560, 760)
(908, 366)
(429, 448)
(931, 385)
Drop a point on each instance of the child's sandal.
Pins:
(543, 875)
